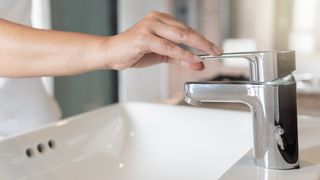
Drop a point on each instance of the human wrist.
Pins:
(97, 55)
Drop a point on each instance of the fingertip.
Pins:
(217, 50)
(220, 51)
(197, 66)
(194, 66)
(197, 58)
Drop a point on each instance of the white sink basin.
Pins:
(134, 141)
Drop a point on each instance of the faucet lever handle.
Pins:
(265, 66)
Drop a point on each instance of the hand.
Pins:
(154, 40)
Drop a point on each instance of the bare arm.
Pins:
(29, 52)
(26, 52)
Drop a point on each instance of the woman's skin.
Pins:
(29, 52)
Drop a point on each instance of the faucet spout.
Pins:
(212, 91)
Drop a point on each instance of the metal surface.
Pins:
(264, 65)
(271, 95)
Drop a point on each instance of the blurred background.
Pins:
(246, 25)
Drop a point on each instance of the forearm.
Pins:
(28, 52)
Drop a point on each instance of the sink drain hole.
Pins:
(41, 148)
(29, 153)
(52, 144)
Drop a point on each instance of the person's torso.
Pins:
(23, 101)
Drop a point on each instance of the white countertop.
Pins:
(309, 155)
(150, 141)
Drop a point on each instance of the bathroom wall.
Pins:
(246, 25)
(81, 93)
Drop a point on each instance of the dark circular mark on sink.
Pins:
(52, 144)
(29, 152)
(41, 148)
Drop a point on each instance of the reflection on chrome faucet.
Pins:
(271, 95)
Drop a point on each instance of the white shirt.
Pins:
(24, 104)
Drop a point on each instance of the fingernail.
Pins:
(193, 66)
(197, 58)
(216, 50)
(220, 51)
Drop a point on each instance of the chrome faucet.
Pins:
(271, 95)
